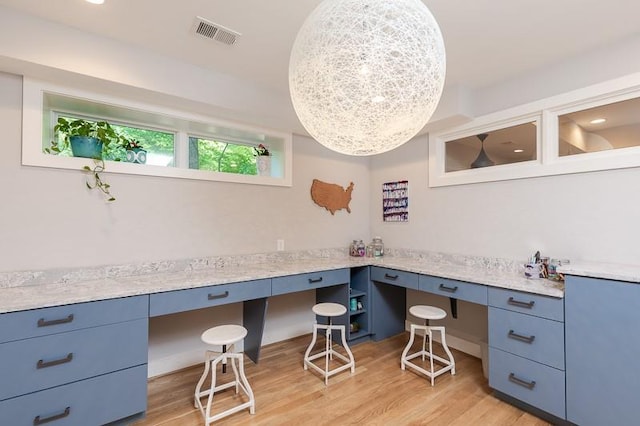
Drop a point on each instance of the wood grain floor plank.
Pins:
(379, 393)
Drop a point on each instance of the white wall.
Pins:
(50, 219)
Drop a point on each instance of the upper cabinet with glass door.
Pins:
(606, 127)
(596, 128)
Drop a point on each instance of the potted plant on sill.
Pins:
(263, 160)
(87, 139)
(135, 151)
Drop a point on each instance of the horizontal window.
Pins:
(509, 145)
(596, 128)
(606, 127)
(149, 140)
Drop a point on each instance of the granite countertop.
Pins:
(609, 271)
(38, 289)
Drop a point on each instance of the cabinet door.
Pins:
(96, 401)
(602, 350)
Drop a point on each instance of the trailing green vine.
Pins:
(95, 181)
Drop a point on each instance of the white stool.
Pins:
(329, 310)
(428, 313)
(225, 336)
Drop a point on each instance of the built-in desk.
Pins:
(57, 380)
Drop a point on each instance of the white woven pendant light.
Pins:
(366, 75)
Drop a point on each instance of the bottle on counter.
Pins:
(361, 249)
(378, 247)
(353, 248)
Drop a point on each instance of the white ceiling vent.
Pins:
(215, 31)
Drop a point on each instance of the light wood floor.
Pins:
(379, 393)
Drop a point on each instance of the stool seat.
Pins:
(329, 309)
(224, 334)
(427, 312)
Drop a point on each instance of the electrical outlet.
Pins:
(280, 245)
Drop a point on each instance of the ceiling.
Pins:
(487, 41)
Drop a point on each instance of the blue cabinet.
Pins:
(526, 349)
(603, 350)
(203, 297)
(470, 292)
(309, 281)
(70, 364)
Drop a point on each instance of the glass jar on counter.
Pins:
(361, 248)
(370, 250)
(378, 247)
(353, 248)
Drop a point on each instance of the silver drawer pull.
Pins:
(529, 385)
(44, 323)
(391, 277)
(218, 296)
(516, 336)
(448, 289)
(66, 359)
(520, 304)
(315, 280)
(42, 420)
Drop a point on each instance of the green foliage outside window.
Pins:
(221, 157)
(153, 141)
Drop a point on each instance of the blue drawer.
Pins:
(94, 401)
(475, 293)
(527, 303)
(301, 282)
(394, 277)
(41, 322)
(196, 298)
(43, 362)
(536, 384)
(534, 338)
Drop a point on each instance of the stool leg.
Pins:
(424, 340)
(235, 372)
(214, 367)
(352, 361)
(246, 386)
(403, 358)
(330, 338)
(446, 349)
(196, 398)
(327, 354)
(311, 345)
(430, 353)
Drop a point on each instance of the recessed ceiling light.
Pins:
(95, 1)
(598, 121)
(518, 150)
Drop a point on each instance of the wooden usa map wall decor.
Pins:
(331, 196)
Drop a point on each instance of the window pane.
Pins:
(218, 156)
(606, 127)
(503, 146)
(159, 145)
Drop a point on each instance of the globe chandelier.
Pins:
(365, 76)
